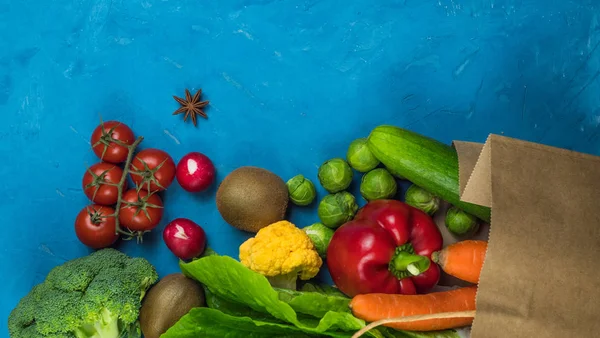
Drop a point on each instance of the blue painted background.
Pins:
(291, 83)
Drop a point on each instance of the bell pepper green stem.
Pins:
(412, 263)
(406, 263)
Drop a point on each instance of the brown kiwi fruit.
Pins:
(251, 198)
(167, 301)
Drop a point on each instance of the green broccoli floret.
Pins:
(96, 296)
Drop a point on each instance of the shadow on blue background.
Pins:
(291, 84)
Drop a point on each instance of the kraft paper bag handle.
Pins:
(541, 276)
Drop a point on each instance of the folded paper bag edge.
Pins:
(476, 183)
(468, 154)
(474, 167)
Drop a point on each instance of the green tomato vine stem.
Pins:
(131, 150)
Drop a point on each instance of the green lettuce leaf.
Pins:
(244, 301)
(237, 309)
(229, 279)
(308, 303)
(322, 288)
(327, 298)
(207, 322)
(233, 308)
(314, 303)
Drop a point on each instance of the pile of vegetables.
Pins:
(242, 303)
(427, 163)
(118, 209)
(125, 188)
(385, 257)
(388, 251)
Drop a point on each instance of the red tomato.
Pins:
(140, 211)
(195, 172)
(104, 137)
(152, 170)
(97, 183)
(95, 226)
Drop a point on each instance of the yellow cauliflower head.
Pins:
(282, 253)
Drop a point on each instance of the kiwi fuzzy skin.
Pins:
(167, 301)
(250, 198)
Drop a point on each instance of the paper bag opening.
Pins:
(541, 276)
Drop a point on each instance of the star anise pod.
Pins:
(191, 106)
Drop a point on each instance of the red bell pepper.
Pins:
(386, 249)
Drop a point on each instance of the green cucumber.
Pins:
(425, 162)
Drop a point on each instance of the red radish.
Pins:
(185, 238)
(195, 172)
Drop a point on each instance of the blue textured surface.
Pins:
(291, 83)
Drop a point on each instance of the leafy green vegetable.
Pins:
(207, 322)
(322, 288)
(233, 308)
(318, 299)
(310, 303)
(297, 300)
(223, 277)
(241, 321)
(242, 303)
(314, 303)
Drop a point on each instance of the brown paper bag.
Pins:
(541, 276)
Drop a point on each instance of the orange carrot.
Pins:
(462, 260)
(447, 307)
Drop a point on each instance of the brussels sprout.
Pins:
(335, 175)
(378, 184)
(320, 236)
(461, 223)
(302, 190)
(422, 199)
(360, 156)
(337, 209)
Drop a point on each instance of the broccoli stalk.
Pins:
(96, 296)
(106, 326)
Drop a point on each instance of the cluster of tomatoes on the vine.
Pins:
(119, 208)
